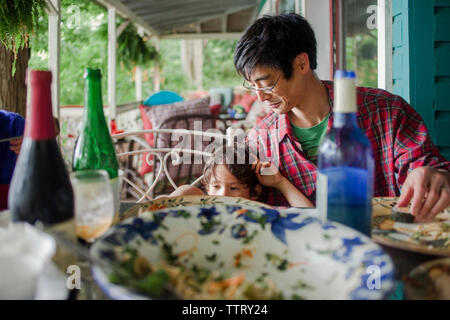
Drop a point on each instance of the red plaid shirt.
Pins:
(397, 133)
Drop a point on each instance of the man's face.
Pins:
(277, 94)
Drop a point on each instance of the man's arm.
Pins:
(428, 189)
(423, 173)
(269, 176)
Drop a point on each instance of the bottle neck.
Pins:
(40, 123)
(93, 101)
(342, 119)
(345, 95)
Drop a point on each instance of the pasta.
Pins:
(195, 283)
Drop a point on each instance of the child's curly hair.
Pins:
(238, 161)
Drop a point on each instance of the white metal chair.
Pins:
(163, 154)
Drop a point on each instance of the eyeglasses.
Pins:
(266, 90)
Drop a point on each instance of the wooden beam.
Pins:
(126, 13)
(169, 24)
(224, 23)
(206, 36)
(166, 8)
(51, 8)
(122, 27)
(200, 13)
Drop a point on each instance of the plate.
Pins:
(427, 238)
(429, 281)
(304, 257)
(170, 202)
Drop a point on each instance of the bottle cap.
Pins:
(39, 76)
(39, 123)
(344, 74)
(345, 91)
(92, 73)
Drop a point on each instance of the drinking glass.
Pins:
(94, 203)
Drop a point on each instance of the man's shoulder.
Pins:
(7, 117)
(268, 122)
(376, 100)
(13, 122)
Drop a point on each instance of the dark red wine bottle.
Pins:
(40, 188)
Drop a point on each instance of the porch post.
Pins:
(112, 40)
(157, 72)
(138, 74)
(384, 22)
(54, 41)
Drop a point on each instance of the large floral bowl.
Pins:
(302, 256)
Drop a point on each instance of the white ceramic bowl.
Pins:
(304, 256)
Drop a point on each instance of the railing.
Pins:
(163, 154)
(128, 118)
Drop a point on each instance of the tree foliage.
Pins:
(18, 19)
(84, 43)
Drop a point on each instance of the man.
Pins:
(11, 125)
(277, 57)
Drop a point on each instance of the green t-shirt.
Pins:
(310, 138)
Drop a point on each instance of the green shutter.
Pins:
(421, 63)
(442, 76)
(400, 48)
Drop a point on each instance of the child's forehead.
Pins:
(221, 173)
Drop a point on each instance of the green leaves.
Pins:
(132, 49)
(18, 19)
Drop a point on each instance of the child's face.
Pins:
(223, 183)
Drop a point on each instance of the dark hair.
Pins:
(274, 41)
(238, 162)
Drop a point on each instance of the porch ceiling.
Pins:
(188, 18)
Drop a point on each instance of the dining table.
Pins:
(404, 259)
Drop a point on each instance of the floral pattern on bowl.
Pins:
(305, 257)
(185, 201)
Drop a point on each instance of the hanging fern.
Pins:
(132, 49)
(18, 19)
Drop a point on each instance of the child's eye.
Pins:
(233, 188)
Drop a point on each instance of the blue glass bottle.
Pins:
(346, 165)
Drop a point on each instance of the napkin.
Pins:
(24, 252)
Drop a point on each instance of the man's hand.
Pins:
(429, 189)
(267, 174)
(16, 144)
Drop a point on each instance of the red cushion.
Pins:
(215, 109)
(149, 137)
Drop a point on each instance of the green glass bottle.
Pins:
(94, 148)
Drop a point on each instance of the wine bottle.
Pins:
(94, 148)
(345, 164)
(40, 188)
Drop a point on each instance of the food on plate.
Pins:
(174, 281)
(402, 215)
(432, 282)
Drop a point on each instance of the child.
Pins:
(226, 175)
